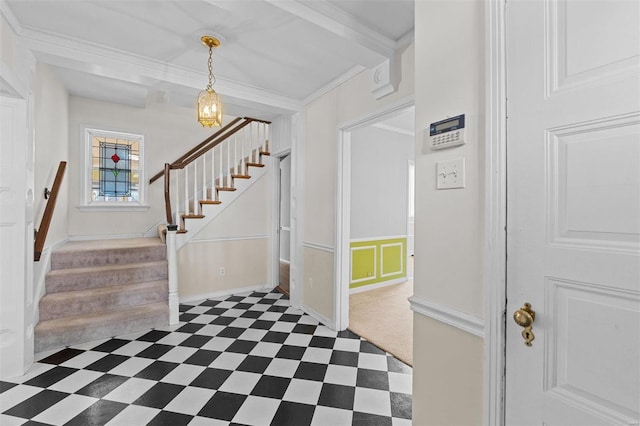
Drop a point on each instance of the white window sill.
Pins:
(113, 207)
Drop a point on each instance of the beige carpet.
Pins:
(383, 317)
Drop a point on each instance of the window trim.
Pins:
(90, 205)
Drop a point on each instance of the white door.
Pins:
(16, 230)
(573, 181)
(285, 223)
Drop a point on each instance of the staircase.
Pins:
(228, 162)
(100, 289)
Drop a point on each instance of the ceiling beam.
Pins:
(333, 19)
(66, 52)
(385, 77)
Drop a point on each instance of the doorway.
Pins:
(372, 252)
(284, 224)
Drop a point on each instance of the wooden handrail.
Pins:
(167, 198)
(195, 148)
(41, 233)
(208, 144)
(194, 156)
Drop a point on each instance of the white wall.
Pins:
(51, 120)
(280, 134)
(169, 132)
(238, 240)
(379, 182)
(448, 362)
(318, 170)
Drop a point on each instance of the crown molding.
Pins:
(406, 40)
(333, 84)
(79, 55)
(13, 22)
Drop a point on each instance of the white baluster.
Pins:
(220, 170)
(243, 166)
(235, 154)
(261, 140)
(204, 177)
(195, 186)
(186, 190)
(228, 162)
(251, 142)
(266, 137)
(213, 174)
(175, 206)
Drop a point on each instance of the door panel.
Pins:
(14, 287)
(285, 223)
(573, 134)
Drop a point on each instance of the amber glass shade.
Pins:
(209, 108)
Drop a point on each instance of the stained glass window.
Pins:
(115, 171)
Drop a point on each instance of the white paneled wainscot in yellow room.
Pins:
(375, 263)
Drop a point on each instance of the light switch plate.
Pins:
(450, 174)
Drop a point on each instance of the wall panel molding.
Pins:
(461, 320)
(315, 246)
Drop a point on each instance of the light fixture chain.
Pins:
(212, 79)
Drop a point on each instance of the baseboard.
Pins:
(364, 288)
(461, 320)
(323, 320)
(224, 293)
(153, 231)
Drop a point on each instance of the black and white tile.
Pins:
(248, 359)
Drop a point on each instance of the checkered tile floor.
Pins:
(244, 360)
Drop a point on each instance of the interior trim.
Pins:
(461, 320)
(225, 239)
(315, 246)
(224, 293)
(495, 212)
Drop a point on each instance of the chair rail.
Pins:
(41, 233)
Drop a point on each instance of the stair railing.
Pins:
(200, 175)
(43, 230)
(209, 168)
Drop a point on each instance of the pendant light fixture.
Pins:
(209, 103)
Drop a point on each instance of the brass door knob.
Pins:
(525, 317)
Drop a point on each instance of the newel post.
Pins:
(172, 260)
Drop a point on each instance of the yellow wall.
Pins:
(377, 261)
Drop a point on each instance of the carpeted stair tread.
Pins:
(102, 276)
(79, 302)
(58, 333)
(80, 254)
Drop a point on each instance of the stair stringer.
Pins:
(210, 212)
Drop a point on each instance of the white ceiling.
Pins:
(275, 54)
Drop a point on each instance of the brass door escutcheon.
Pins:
(525, 317)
